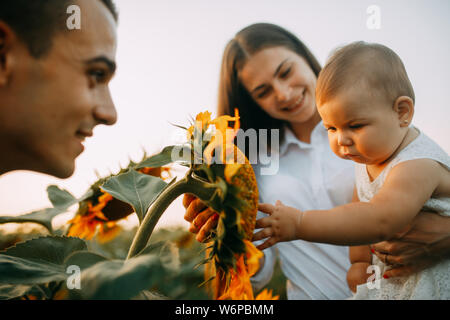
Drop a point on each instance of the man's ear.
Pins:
(404, 107)
(7, 38)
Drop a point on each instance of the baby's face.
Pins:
(361, 127)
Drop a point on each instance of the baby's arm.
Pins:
(361, 259)
(407, 187)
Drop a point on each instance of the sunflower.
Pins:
(85, 225)
(221, 176)
(240, 287)
(231, 257)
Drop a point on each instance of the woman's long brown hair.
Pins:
(232, 93)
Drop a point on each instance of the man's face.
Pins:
(53, 103)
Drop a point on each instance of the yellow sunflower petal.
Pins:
(84, 226)
(230, 170)
(102, 202)
(266, 295)
(203, 118)
(108, 231)
(222, 139)
(240, 287)
(190, 132)
(221, 122)
(202, 121)
(253, 256)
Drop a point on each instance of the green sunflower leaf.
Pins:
(38, 261)
(43, 217)
(178, 126)
(13, 291)
(14, 270)
(83, 259)
(33, 266)
(59, 197)
(118, 280)
(137, 189)
(62, 200)
(167, 155)
(53, 249)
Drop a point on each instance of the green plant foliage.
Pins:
(179, 244)
(153, 274)
(178, 249)
(52, 249)
(59, 197)
(161, 159)
(119, 279)
(43, 217)
(137, 189)
(84, 259)
(170, 266)
(13, 291)
(38, 267)
(62, 200)
(16, 270)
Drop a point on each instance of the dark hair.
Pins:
(372, 64)
(232, 93)
(37, 21)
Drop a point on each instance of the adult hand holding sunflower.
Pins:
(202, 218)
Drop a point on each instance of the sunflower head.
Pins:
(231, 256)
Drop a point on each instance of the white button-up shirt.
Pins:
(309, 177)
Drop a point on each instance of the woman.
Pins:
(270, 76)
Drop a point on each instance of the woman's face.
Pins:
(282, 84)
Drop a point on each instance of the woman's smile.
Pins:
(296, 104)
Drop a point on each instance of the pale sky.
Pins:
(169, 55)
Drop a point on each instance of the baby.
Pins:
(366, 102)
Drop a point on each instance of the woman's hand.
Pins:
(425, 242)
(202, 218)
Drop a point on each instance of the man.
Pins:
(53, 81)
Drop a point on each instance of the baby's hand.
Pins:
(281, 224)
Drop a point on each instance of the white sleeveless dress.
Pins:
(432, 283)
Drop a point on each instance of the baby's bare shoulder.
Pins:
(426, 169)
(443, 188)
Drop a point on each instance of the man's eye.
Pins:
(98, 74)
(356, 126)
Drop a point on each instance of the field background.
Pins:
(168, 58)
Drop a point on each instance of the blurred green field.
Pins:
(178, 241)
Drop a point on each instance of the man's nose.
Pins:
(105, 111)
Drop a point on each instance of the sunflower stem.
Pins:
(188, 184)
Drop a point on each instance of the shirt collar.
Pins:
(291, 139)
